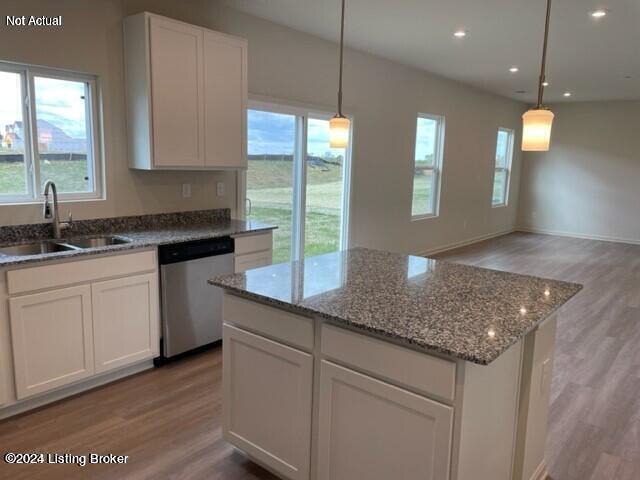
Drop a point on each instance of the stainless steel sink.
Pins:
(94, 242)
(36, 248)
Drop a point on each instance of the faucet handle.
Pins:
(70, 221)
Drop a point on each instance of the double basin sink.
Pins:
(52, 246)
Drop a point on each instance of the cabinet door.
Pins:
(52, 339)
(125, 320)
(225, 93)
(370, 429)
(252, 260)
(176, 94)
(267, 401)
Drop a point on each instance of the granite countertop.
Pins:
(466, 312)
(140, 231)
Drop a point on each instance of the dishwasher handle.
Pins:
(182, 252)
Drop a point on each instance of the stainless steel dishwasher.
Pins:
(191, 308)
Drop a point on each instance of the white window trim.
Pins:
(285, 107)
(511, 133)
(437, 166)
(32, 168)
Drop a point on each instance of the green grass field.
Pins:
(69, 176)
(270, 191)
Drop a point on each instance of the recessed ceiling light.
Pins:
(567, 94)
(460, 33)
(514, 69)
(599, 13)
(545, 84)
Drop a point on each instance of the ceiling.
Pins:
(591, 58)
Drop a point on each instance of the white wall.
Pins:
(588, 184)
(383, 96)
(385, 99)
(91, 42)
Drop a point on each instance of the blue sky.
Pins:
(57, 101)
(274, 133)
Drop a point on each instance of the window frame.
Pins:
(436, 169)
(302, 114)
(506, 169)
(95, 166)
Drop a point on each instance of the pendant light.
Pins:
(339, 124)
(536, 122)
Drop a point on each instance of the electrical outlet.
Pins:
(186, 190)
(220, 189)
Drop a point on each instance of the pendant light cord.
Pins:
(544, 56)
(341, 53)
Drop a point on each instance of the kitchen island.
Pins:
(369, 364)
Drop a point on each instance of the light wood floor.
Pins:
(594, 424)
(168, 420)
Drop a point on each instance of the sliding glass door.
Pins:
(296, 181)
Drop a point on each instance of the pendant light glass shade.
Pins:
(339, 124)
(536, 130)
(339, 132)
(537, 122)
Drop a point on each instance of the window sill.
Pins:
(415, 218)
(499, 205)
(17, 203)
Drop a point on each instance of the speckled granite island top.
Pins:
(470, 313)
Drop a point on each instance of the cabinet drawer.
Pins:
(252, 260)
(424, 373)
(286, 327)
(79, 271)
(253, 243)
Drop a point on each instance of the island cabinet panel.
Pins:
(125, 320)
(417, 371)
(177, 86)
(283, 326)
(371, 429)
(267, 400)
(52, 338)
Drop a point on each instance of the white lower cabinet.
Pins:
(73, 320)
(52, 338)
(252, 260)
(253, 251)
(125, 320)
(371, 429)
(267, 401)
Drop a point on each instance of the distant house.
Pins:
(51, 139)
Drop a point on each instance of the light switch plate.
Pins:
(220, 189)
(186, 190)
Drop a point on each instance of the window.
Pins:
(428, 166)
(48, 131)
(296, 181)
(502, 173)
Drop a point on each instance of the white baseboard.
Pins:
(559, 233)
(22, 406)
(463, 243)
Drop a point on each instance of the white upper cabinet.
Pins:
(186, 90)
(177, 94)
(225, 80)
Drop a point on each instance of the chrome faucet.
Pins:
(47, 211)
